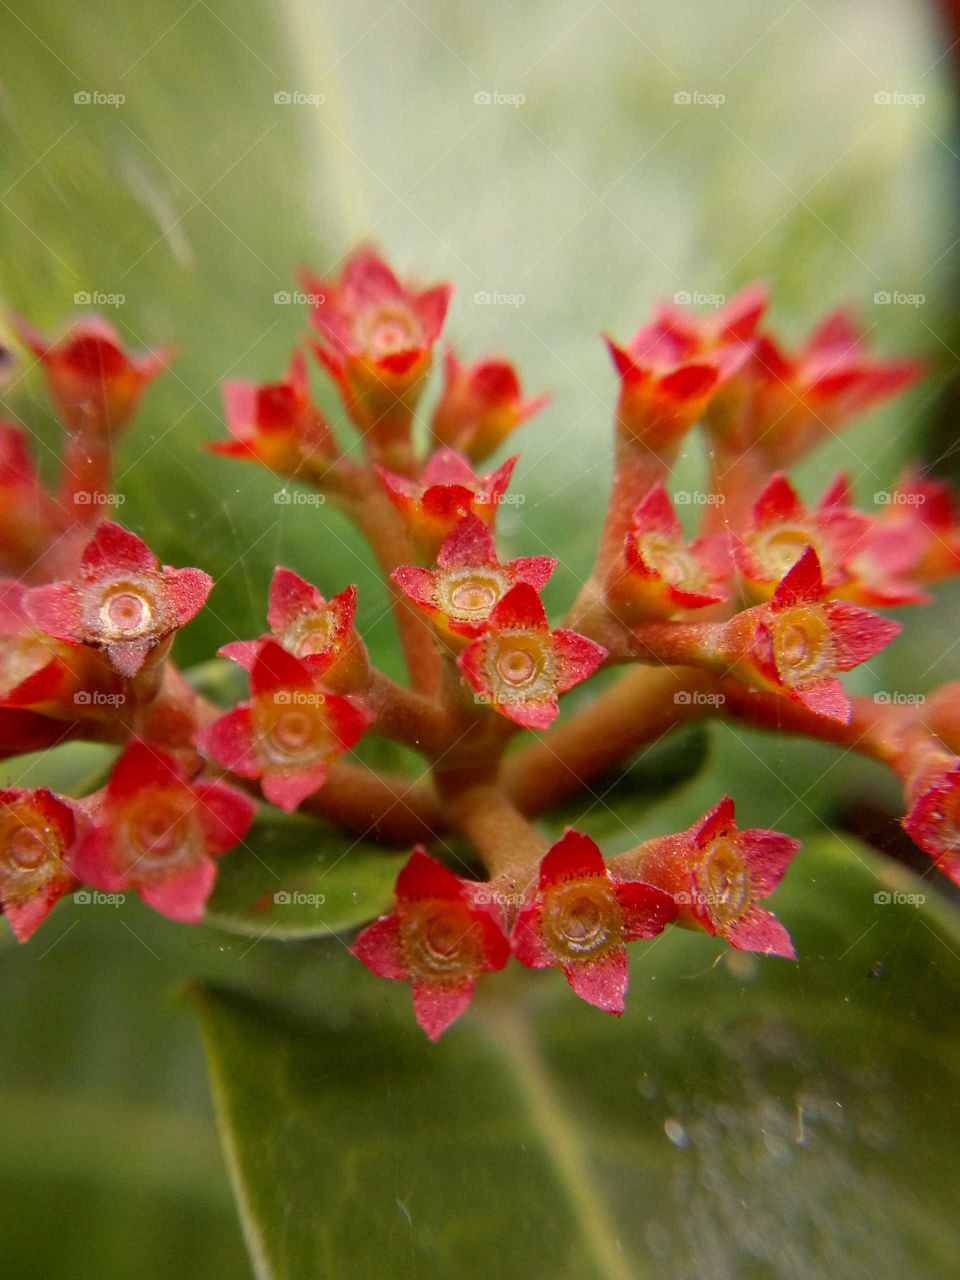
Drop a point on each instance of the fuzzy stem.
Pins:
(640, 708)
(86, 481)
(503, 838)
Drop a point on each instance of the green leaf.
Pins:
(748, 1117)
(297, 878)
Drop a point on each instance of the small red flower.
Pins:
(520, 667)
(448, 490)
(378, 338)
(782, 528)
(121, 600)
(784, 403)
(582, 917)
(799, 641)
(717, 874)
(37, 832)
(481, 404)
(288, 734)
(661, 572)
(155, 830)
(671, 367)
(460, 593)
(934, 818)
(94, 382)
(28, 515)
(318, 631)
(39, 673)
(440, 939)
(923, 511)
(278, 425)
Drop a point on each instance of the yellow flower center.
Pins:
(29, 852)
(127, 611)
(802, 645)
(439, 939)
(672, 561)
(723, 881)
(581, 918)
(780, 549)
(469, 595)
(388, 331)
(161, 830)
(291, 727)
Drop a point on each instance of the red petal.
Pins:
(380, 948)
(804, 582)
(226, 814)
(230, 742)
(656, 514)
(714, 822)
(92, 861)
(25, 918)
(288, 788)
(446, 466)
(187, 591)
(347, 721)
(536, 571)
(242, 652)
(531, 714)
(56, 609)
(431, 307)
(469, 543)
(573, 857)
(183, 897)
(779, 501)
(692, 382)
(140, 766)
(739, 317)
(577, 658)
(128, 656)
(275, 668)
(602, 982)
(437, 1005)
(519, 608)
(496, 484)
(646, 910)
(760, 931)
(424, 877)
(826, 698)
(768, 854)
(526, 941)
(622, 360)
(240, 407)
(419, 584)
(858, 634)
(291, 597)
(114, 549)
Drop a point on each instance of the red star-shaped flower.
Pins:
(481, 404)
(95, 383)
(672, 366)
(460, 593)
(378, 338)
(448, 490)
(783, 403)
(121, 600)
(440, 939)
(28, 515)
(782, 528)
(278, 425)
(520, 667)
(156, 830)
(289, 733)
(318, 631)
(934, 818)
(801, 639)
(581, 918)
(661, 573)
(716, 875)
(37, 832)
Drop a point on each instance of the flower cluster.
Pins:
(758, 613)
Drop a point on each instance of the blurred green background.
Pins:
(544, 154)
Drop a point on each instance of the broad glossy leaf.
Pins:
(297, 878)
(747, 1118)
